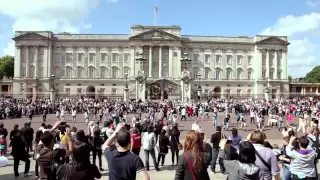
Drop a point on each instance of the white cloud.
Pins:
(52, 15)
(87, 26)
(302, 55)
(313, 3)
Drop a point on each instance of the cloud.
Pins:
(49, 15)
(313, 3)
(302, 51)
(87, 26)
(113, 1)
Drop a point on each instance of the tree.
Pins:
(314, 75)
(6, 66)
(290, 78)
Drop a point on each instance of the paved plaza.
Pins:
(167, 172)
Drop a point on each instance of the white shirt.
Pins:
(183, 112)
(147, 140)
(195, 127)
(74, 112)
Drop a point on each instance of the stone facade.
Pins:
(223, 66)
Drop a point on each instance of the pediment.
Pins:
(273, 40)
(155, 34)
(30, 36)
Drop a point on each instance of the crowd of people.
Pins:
(63, 152)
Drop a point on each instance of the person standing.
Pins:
(148, 144)
(215, 140)
(19, 153)
(74, 114)
(27, 136)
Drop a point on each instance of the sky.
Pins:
(297, 19)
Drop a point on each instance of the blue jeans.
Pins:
(214, 121)
(215, 153)
(286, 174)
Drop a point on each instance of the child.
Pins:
(3, 146)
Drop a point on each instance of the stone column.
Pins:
(49, 60)
(160, 62)
(132, 62)
(27, 60)
(126, 94)
(86, 62)
(36, 62)
(97, 58)
(17, 62)
(150, 61)
(284, 64)
(317, 90)
(170, 67)
(276, 64)
(267, 64)
(302, 91)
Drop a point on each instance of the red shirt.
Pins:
(136, 138)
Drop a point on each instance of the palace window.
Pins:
(115, 57)
(31, 71)
(103, 57)
(40, 73)
(114, 91)
(126, 58)
(249, 92)
(57, 58)
(249, 73)
(279, 74)
(80, 72)
(218, 71)
(114, 71)
(271, 73)
(239, 73)
(238, 92)
(229, 71)
(263, 74)
(23, 71)
(196, 58)
(218, 59)
(91, 72)
(32, 55)
(229, 59)
(207, 58)
(92, 58)
(206, 73)
(103, 72)
(68, 72)
(80, 57)
(69, 57)
(249, 60)
(67, 91)
(195, 73)
(239, 59)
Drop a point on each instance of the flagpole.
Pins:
(155, 15)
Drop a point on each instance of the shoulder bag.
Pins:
(190, 166)
(262, 160)
(180, 147)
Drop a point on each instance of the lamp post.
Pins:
(266, 92)
(185, 60)
(126, 88)
(52, 78)
(199, 86)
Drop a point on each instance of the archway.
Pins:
(91, 91)
(217, 92)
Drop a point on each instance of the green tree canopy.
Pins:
(314, 75)
(290, 78)
(6, 66)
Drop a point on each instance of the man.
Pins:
(48, 159)
(27, 136)
(19, 153)
(215, 140)
(3, 131)
(122, 163)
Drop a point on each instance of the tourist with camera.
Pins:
(302, 159)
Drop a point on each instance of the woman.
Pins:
(236, 139)
(244, 168)
(286, 160)
(266, 159)
(37, 140)
(96, 143)
(148, 144)
(163, 147)
(174, 136)
(135, 141)
(193, 163)
(80, 168)
(64, 142)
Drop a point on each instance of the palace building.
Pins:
(71, 65)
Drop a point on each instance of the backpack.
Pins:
(315, 146)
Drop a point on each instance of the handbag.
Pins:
(262, 160)
(190, 166)
(180, 146)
